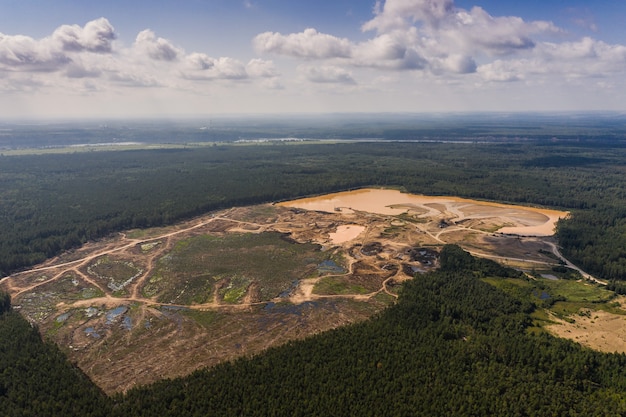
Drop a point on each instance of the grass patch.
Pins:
(384, 298)
(577, 291)
(197, 263)
(338, 286)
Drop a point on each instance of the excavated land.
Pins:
(150, 304)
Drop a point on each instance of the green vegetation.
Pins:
(195, 267)
(35, 377)
(338, 285)
(51, 203)
(562, 297)
(451, 345)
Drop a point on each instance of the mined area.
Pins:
(159, 303)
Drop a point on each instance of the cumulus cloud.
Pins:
(501, 71)
(455, 63)
(477, 30)
(327, 74)
(399, 50)
(199, 66)
(446, 29)
(393, 14)
(307, 44)
(95, 36)
(156, 48)
(259, 68)
(567, 60)
(23, 53)
(586, 49)
(431, 35)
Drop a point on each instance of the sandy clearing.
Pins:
(601, 331)
(346, 233)
(528, 221)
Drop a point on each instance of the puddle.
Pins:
(293, 286)
(330, 267)
(115, 313)
(90, 331)
(62, 317)
(127, 323)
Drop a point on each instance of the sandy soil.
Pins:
(527, 221)
(602, 331)
(345, 233)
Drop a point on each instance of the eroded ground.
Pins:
(150, 304)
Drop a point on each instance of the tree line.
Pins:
(52, 203)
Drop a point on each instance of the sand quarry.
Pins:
(378, 238)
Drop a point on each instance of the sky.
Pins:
(197, 58)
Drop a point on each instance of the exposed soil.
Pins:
(598, 330)
(95, 302)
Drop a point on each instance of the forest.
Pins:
(55, 202)
(451, 345)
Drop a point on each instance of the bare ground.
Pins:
(74, 304)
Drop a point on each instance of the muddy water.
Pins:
(525, 220)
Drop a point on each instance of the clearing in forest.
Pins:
(149, 304)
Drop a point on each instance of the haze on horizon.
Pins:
(77, 59)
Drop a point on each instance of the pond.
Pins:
(330, 267)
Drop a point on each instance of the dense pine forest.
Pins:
(35, 377)
(452, 345)
(51, 203)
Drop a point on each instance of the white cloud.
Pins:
(399, 50)
(200, 66)
(395, 14)
(259, 68)
(156, 48)
(410, 50)
(96, 36)
(306, 44)
(327, 74)
(455, 63)
(478, 31)
(23, 53)
(79, 71)
(501, 71)
(448, 30)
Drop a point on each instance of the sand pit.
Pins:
(528, 221)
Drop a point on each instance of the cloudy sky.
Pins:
(158, 58)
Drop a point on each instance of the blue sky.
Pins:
(84, 58)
